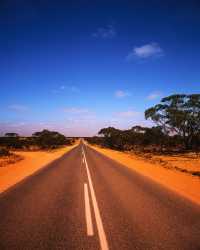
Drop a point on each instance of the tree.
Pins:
(11, 140)
(11, 135)
(178, 114)
(49, 139)
(113, 137)
(154, 136)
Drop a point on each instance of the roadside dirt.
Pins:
(22, 164)
(11, 159)
(163, 169)
(188, 163)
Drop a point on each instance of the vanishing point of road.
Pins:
(84, 200)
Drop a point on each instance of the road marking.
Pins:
(101, 232)
(88, 216)
(82, 154)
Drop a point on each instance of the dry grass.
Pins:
(188, 163)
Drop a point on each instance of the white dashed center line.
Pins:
(101, 232)
(88, 216)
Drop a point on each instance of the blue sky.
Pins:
(79, 66)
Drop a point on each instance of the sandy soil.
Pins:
(181, 182)
(11, 159)
(27, 164)
(187, 162)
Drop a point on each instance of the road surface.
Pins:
(85, 200)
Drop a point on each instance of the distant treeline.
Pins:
(177, 120)
(45, 140)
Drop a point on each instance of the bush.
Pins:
(4, 152)
(11, 142)
(44, 139)
(50, 139)
(141, 138)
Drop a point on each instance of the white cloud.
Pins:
(150, 50)
(78, 124)
(18, 124)
(128, 114)
(73, 89)
(75, 110)
(27, 128)
(66, 88)
(18, 108)
(121, 93)
(105, 33)
(154, 95)
(62, 87)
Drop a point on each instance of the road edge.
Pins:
(42, 168)
(178, 190)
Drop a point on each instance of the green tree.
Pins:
(178, 114)
(11, 135)
(113, 138)
(49, 139)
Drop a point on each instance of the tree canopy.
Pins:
(47, 139)
(11, 135)
(178, 114)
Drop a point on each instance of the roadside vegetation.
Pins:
(11, 143)
(174, 141)
(39, 140)
(177, 128)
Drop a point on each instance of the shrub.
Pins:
(50, 139)
(4, 152)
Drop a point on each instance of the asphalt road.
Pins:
(85, 200)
